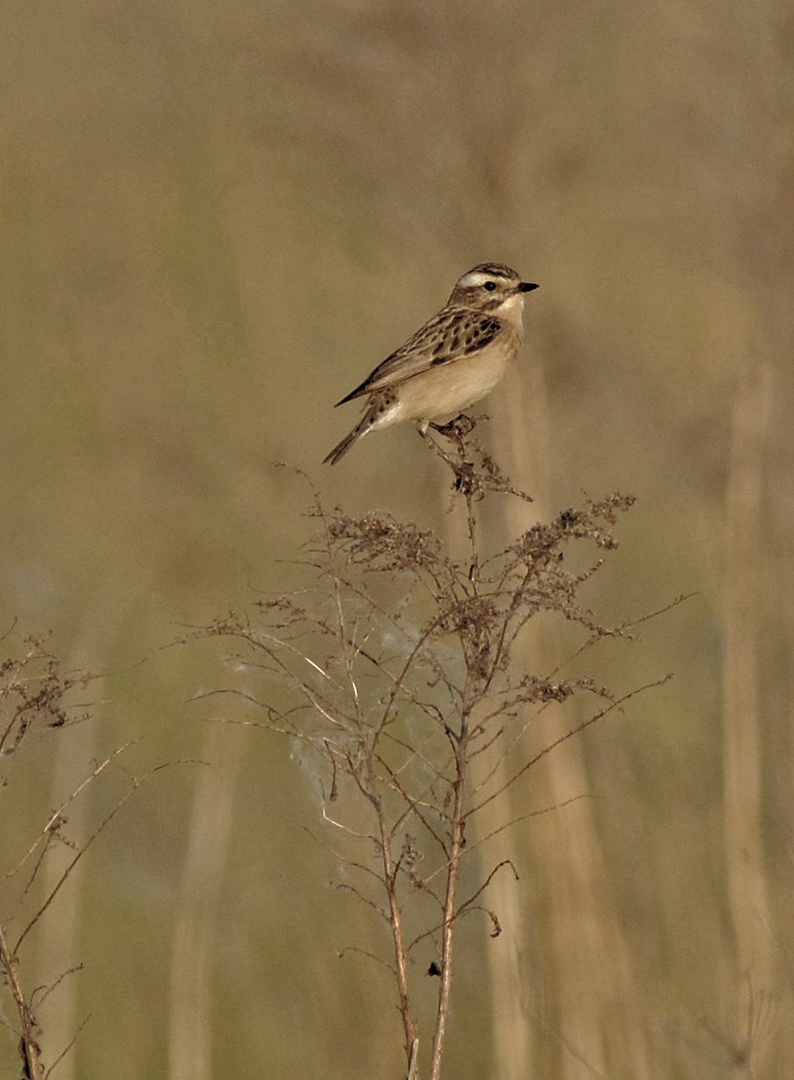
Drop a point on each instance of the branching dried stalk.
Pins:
(35, 698)
(394, 665)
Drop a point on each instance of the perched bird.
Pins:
(452, 361)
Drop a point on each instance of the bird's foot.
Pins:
(458, 428)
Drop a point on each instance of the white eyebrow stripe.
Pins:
(470, 281)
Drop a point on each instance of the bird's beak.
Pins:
(526, 286)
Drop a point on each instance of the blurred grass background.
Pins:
(216, 219)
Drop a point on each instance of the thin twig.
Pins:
(88, 843)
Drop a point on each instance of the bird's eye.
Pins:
(490, 286)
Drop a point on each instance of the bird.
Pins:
(451, 362)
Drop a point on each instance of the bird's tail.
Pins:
(358, 432)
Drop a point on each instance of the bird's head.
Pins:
(490, 287)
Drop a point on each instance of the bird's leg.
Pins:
(422, 429)
(456, 431)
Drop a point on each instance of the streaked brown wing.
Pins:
(472, 334)
(449, 336)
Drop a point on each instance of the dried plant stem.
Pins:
(84, 848)
(29, 1049)
(447, 932)
(398, 935)
(401, 670)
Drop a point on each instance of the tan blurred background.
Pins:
(217, 218)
